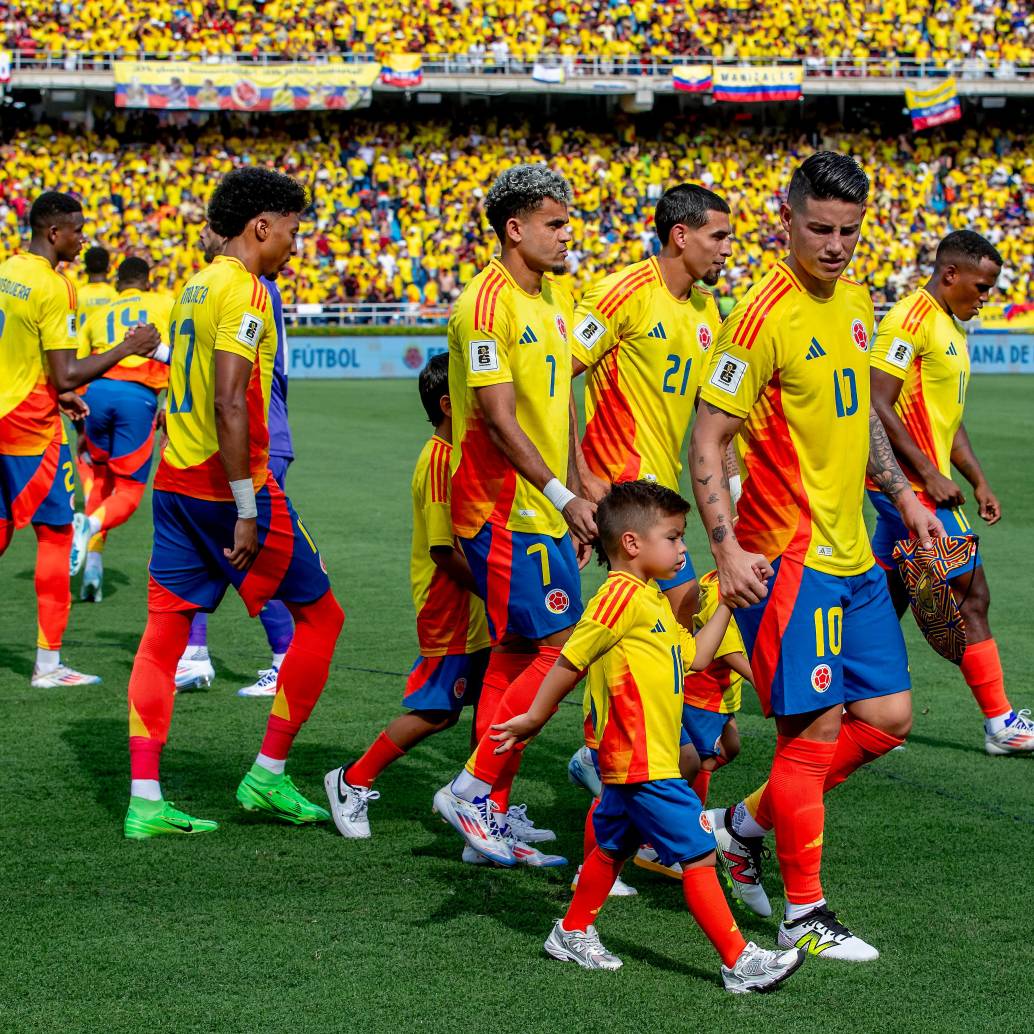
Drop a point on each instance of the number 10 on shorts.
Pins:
(829, 625)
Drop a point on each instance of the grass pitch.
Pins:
(266, 928)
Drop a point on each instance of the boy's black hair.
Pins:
(246, 193)
(828, 176)
(635, 506)
(964, 247)
(96, 259)
(133, 269)
(50, 206)
(688, 204)
(434, 383)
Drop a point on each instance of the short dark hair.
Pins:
(133, 269)
(520, 190)
(51, 205)
(246, 193)
(96, 259)
(688, 204)
(434, 383)
(635, 505)
(828, 176)
(965, 247)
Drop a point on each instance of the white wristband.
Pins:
(735, 488)
(558, 494)
(162, 354)
(244, 497)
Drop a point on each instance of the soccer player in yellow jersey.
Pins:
(790, 375)
(39, 372)
(96, 291)
(120, 425)
(220, 518)
(637, 656)
(642, 335)
(920, 373)
(510, 384)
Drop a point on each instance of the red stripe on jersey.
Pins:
(490, 323)
(755, 305)
(631, 285)
(916, 418)
(915, 315)
(762, 314)
(263, 299)
(622, 283)
(606, 600)
(254, 290)
(788, 272)
(609, 440)
(437, 473)
(444, 619)
(613, 605)
(480, 303)
(624, 752)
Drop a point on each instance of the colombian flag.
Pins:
(933, 106)
(758, 83)
(403, 71)
(691, 78)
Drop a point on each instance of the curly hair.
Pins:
(246, 193)
(520, 190)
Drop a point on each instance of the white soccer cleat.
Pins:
(92, 588)
(620, 889)
(193, 671)
(1016, 738)
(62, 675)
(760, 970)
(349, 804)
(81, 536)
(524, 854)
(265, 686)
(524, 829)
(581, 946)
(741, 863)
(475, 822)
(821, 933)
(582, 772)
(647, 858)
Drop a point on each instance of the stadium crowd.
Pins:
(398, 209)
(492, 33)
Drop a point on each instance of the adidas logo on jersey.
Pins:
(658, 331)
(952, 350)
(528, 337)
(816, 351)
(658, 627)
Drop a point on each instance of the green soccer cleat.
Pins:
(262, 791)
(146, 819)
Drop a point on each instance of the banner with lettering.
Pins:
(758, 83)
(933, 106)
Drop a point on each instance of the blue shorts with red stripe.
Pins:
(120, 427)
(189, 571)
(664, 813)
(704, 729)
(37, 489)
(890, 528)
(686, 573)
(820, 640)
(531, 584)
(446, 683)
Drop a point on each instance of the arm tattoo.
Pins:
(714, 410)
(705, 481)
(713, 497)
(718, 534)
(883, 467)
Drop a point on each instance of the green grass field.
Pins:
(265, 928)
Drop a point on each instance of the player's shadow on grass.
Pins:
(113, 577)
(17, 662)
(936, 741)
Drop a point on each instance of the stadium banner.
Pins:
(933, 106)
(997, 351)
(380, 355)
(5, 67)
(192, 86)
(758, 83)
(692, 78)
(547, 73)
(403, 71)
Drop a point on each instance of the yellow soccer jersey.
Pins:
(500, 334)
(717, 688)
(645, 353)
(921, 344)
(796, 367)
(37, 315)
(449, 620)
(636, 654)
(107, 326)
(223, 308)
(91, 297)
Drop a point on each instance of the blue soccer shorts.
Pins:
(120, 427)
(664, 813)
(704, 730)
(446, 683)
(38, 489)
(890, 528)
(820, 640)
(278, 468)
(686, 573)
(188, 569)
(531, 584)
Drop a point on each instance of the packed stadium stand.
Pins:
(492, 33)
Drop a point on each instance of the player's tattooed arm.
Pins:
(883, 466)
